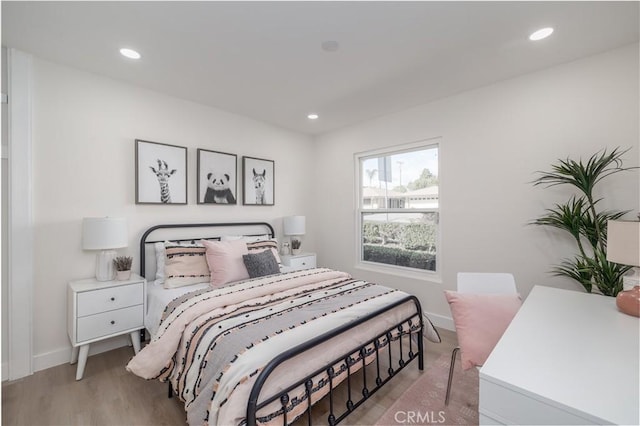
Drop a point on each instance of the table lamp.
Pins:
(104, 234)
(294, 226)
(623, 247)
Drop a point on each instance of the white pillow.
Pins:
(246, 239)
(160, 255)
(256, 238)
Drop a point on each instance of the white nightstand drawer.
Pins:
(106, 323)
(302, 262)
(109, 299)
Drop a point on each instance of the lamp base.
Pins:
(628, 301)
(105, 270)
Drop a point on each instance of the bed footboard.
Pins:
(389, 359)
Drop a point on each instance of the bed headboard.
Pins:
(187, 232)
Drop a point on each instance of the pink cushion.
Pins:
(480, 321)
(225, 261)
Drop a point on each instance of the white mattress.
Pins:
(159, 297)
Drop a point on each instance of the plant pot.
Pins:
(629, 301)
(123, 275)
(295, 251)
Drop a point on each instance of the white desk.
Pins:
(566, 358)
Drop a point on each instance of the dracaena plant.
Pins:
(580, 217)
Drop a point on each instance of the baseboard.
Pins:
(63, 355)
(441, 321)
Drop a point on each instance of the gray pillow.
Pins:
(261, 264)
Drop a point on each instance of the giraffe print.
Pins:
(163, 174)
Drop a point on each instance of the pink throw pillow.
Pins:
(225, 261)
(480, 320)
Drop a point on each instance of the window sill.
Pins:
(399, 272)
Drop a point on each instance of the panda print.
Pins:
(218, 191)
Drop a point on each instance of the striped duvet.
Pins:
(212, 343)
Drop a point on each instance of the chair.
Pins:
(486, 284)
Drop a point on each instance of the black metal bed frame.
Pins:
(362, 351)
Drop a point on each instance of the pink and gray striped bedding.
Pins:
(212, 343)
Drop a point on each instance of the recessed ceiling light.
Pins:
(312, 116)
(330, 46)
(540, 34)
(130, 53)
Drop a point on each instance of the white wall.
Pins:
(84, 128)
(493, 140)
(5, 213)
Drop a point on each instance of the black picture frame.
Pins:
(161, 173)
(217, 177)
(258, 181)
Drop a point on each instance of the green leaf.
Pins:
(584, 176)
(576, 269)
(568, 216)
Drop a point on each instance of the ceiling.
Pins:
(264, 59)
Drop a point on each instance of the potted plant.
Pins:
(123, 267)
(580, 218)
(295, 246)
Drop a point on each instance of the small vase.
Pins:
(629, 301)
(123, 275)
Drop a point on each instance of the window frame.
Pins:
(360, 210)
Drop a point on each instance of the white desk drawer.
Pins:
(505, 406)
(303, 262)
(109, 299)
(106, 323)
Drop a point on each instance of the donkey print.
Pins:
(258, 184)
(163, 174)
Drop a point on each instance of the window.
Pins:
(398, 207)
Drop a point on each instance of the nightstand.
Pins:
(300, 261)
(98, 310)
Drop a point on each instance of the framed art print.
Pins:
(258, 182)
(217, 177)
(161, 173)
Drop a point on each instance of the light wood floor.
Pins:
(109, 395)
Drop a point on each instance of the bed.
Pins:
(265, 350)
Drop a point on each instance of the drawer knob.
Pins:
(112, 322)
(113, 299)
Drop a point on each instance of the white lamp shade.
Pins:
(623, 242)
(103, 233)
(294, 225)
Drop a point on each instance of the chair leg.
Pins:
(451, 367)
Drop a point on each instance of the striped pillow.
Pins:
(185, 265)
(259, 246)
